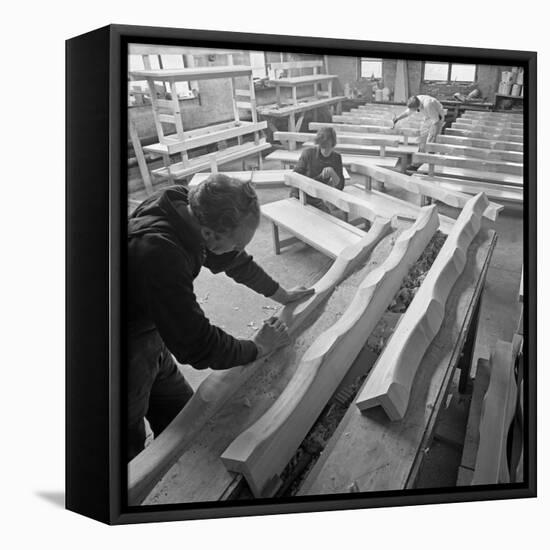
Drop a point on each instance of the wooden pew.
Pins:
(490, 129)
(434, 159)
(500, 136)
(475, 152)
(423, 188)
(499, 145)
(363, 130)
(320, 230)
(290, 158)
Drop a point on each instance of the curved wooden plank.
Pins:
(422, 187)
(390, 381)
(496, 416)
(153, 462)
(261, 452)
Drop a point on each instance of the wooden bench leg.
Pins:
(291, 128)
(276, 242)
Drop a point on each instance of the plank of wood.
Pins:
(496, 416)
(371, 452)
(191, 73)
(361, 121)
(494, 116)
(391, 207)
(373, 139)
(174, 144)
(204, 162)
(489, 129)
(490, 123)
(494, 191)
(261, 452)
(256, 177)
(474, 152)
(284, 65)
(434, 159)
(482, 143)
(390, 382)
(336, 197)
(482, 176)
(145, 470)
(302, 80)
(276, 110)
(292, 157)
(361, 129)
(428, 187)
(500, 136)
(312, 226)
(471, 439)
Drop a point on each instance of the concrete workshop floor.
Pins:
(240, 311)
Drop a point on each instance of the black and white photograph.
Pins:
(325, 274)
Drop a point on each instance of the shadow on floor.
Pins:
(56, 498)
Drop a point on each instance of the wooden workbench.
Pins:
(355, 451)
(368, 452)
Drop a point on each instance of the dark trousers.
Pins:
(156, 389)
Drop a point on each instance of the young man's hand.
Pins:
(273, 335)
(284, 297)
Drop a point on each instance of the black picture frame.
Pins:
(96, 104)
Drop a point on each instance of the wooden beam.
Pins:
(343, 138)
(496, 416)
(496, 144)
(433, 159)
(390, 382)
(145, 470)
(489, 129)
(475, 152)
(426, 187)
(330, 194)
(262, 451)
(500, 136)
(192, 73)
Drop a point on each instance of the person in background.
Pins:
(434, 118)
(171, 235)
(321, 163)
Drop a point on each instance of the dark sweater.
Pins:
(165, 254)
(312, 162)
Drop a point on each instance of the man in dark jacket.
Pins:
(171, 235)
(323, 164)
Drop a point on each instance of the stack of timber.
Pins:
(261, 452)
(228, 400)
(390, 382)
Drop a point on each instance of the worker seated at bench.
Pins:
(171, 235)
(323, 164)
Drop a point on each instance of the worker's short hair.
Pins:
(413, 102)
(223, 204)
(325, 135)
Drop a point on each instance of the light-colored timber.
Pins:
(261, 452)
(499, 145)
(390, 382)
(423, 187)
(145, 470)
(475, 152)
(434, 159)
(496, 416)
(498, 135)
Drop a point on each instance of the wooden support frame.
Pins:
(496, 416)
(145, 470)
(390, 381)
(262, 451)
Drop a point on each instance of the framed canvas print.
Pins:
(295, 274)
